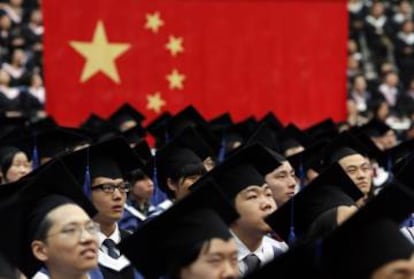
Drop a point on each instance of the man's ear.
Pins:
(171, 185)
(40, 251)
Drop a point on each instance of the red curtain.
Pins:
(245, 57)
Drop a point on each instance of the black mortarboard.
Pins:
(143, 150)
(134, 134)
(175, 161)
(324, 129)
(345, 144)
(391, 157)
(123, 114)
(375, 225)
(244, 168)
(272, 121)
(169, 238)
(188, 117)
(26, 209)
(236, 134)
(98, 128)
(310, 158)
(330, 189)
(291, 136)
(191, 139)
(112, 159)
(158, 129)
(374, 128)
(220, 123)
(265, 136)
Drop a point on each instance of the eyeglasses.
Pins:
(75, 232)
(109, 188)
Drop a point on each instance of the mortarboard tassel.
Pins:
(158, 196)
(292, 234)
(35, 154)
(87, 183)
(222, 151)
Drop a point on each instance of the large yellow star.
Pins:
(100, 54)
(175, 45)
(176, 80)
(154, 22)
(155, 102)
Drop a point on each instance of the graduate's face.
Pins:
(143, 188)
(359, 170)
(71, 244)
(217, 260)
(399, 269)
(282, 181)
(110, 206)
(253, 204)
(19, 167)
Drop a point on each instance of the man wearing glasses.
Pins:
(103, 180)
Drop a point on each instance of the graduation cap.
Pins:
(175, 161)
(111, 159)
(134, 134)
(50, 143)
(188, 117)
(98, 128)
(158, 129)
(126, 117)
(244, 168)
(220, 123)
(324, 129)
(391, 157)
(265, 136)
(272, 121)
(26, 209)
(374, 128)
(169, 239)
(310, 158)
(190, 138)
(291, 136)
(375, 225)
(295, 218)
(345, 144)
(235, 136)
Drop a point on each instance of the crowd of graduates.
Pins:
(212, 199)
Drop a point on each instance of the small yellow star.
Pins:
(176, 80)
(175, 45)
(154, 22)
(100, 55)
(155, 102)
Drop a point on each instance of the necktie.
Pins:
(252, 262)
(111, 246)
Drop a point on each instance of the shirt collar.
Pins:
(115, 236)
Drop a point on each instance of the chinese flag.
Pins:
(245, 57)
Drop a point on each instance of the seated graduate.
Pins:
(102, 169)
(366, 246)
(241, 178)
(50, 227)
(318, 209)
(139, 200)
(190, 240)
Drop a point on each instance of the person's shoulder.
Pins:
(275, 243)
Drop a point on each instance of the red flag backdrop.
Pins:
(246, 57)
